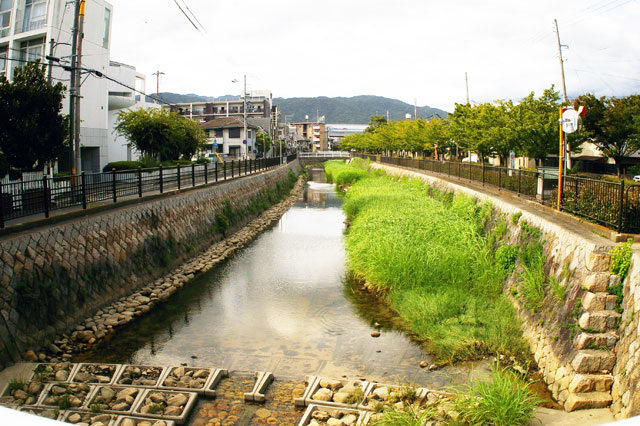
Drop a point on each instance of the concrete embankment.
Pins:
(53, 277)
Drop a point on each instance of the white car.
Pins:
(636, 178)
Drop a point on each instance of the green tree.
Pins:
(536, 123)
(32, 130)
(375, 122)
(161, 134)
(612, 124)
(263, 142)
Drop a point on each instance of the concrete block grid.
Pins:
(52, 277)
(574, 344)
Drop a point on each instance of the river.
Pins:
(281, 304)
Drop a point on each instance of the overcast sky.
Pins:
(402, 49)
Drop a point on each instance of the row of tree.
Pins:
(530, 128)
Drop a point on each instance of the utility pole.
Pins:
(466, 82)
(244, 97)
(73, 89)
(80, 36)
(564, 86)
(158, 73)
(51, 46)
(567, 149)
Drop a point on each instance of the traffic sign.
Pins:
(570, 120)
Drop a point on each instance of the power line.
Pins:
(194, 16)
(186, 16)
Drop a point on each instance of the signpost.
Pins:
(568, 124)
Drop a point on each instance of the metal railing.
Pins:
(324, 154)
(36, 196)
(610, 204)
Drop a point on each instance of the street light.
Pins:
(245, 142)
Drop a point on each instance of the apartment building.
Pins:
(226, 137)
(32, 29)
(258, 106)
(313, 132)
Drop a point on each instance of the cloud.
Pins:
(404, 49)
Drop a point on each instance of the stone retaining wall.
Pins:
(53, 276)
(626, 374)
(573, 340)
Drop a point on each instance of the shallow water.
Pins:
(281, 304)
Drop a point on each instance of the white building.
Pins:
(122, 99)
(226, 137)
(32, 29)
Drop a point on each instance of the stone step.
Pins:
(586, 340)
(582, 383)
(580, 401)
(593, 302)
(599, 321)
(592, 361)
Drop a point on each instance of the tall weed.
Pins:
(426, 250)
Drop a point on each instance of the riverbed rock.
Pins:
(375, 334)
(382, 393)
(330, 383)
(323, 394)
(177, 400)
(74, 418)
(320, 415)
(349, 419)
(173, 410)
(30, 356)
(128, 422)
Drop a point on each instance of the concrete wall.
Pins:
(52, 277)
(573, 340)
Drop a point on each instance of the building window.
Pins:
(107, 24)
(32, 50)
(5, 17)
(3, 61)
(234, 133)
(35, 14)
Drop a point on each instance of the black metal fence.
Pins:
(28, 197)
(611, 204)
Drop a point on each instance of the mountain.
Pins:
(355, 110)
(175, 98)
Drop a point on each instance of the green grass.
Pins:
(427, 253)
(505, 400)
(340, 173)
(533, 280)
(404, 417)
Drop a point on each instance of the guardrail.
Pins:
(44, 195)
(610, 204)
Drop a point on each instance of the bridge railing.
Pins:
(324, 154)
(26, 197)
(611, 204)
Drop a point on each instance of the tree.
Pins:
(375, 122)
(612, 124)
(536, 123)
(161, 134)
(263, 142)
(32, 130)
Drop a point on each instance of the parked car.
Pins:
(636, 178)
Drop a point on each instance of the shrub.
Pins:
(121, 165)
(621, 259)
(506, 257)
(506, 400)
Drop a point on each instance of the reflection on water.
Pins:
(279, 305)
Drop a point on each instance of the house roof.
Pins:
(225, 123)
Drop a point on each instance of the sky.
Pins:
(412, 50)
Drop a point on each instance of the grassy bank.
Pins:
(429, 255)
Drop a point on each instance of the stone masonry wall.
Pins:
(572, 339)
(53, 276)
(626, 386)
